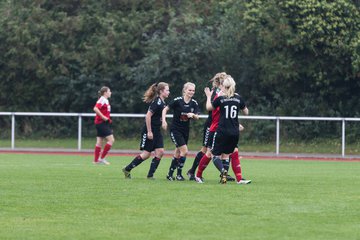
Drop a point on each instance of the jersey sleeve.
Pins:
(98, 105)
(155, 105)
(196, 108)
(172, 104)
(242, 103)
(100, 102)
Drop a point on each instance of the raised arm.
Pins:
(208, 94)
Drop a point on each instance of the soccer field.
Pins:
(67, 197)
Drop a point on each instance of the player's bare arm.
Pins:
(245, 111)
(148, 125)
(163, 117)
(208, 94)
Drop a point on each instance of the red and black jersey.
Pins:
(209, 118)
(180, 109)
(215, 117)
(156, 108)
(229, 111)
(104, 106)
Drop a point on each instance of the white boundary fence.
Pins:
(130, 115)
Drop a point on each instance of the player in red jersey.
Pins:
(206, 158)
(206, 131)
(103, 126)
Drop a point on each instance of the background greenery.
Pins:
(296, 58)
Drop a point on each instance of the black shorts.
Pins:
(179, 138)
(223, 143)
(210, 140)
(150, 145)
(206, 132)
(103, 129)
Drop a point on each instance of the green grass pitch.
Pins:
(67, 197)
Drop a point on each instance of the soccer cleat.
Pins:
(199, 179)
(150, 177)
(229, 178)
(170, 178)
(126, 173)
(244, 181)
(223, 177)
(102, 161)
(190, 175)
(180, 178)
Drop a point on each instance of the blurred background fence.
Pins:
(274, 134)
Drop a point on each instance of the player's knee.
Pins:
(184, 153)
(145, 155)
(208, 153)
(110, 140)
(159, 153)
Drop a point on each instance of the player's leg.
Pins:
(135, 162)
(223, 145)
(155, 162)
(200, 154)
(204, 162)
(146, 145)
(97, 149)
(219, 142)
(224, 171)
(109, 142)
(218, 164)
(104, 131)
(183, 152)
(159, 152)
(235, 164)
(176, 138)
(173, 165)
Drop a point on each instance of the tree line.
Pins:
(288, 57)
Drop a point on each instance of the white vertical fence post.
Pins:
(343, 138)
(277, 135)
(12, 130)
(79, 132)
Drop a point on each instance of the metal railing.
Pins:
(131, 115)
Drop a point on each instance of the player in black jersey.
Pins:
(151, 137)
(184, 109)
(226, 136)
(206, 130)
